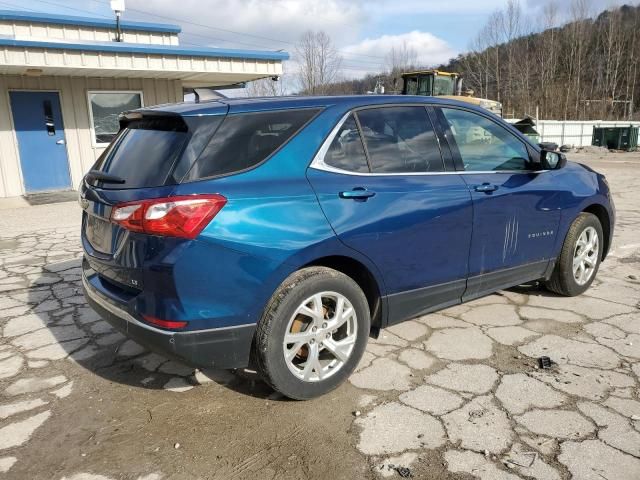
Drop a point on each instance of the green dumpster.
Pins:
(616, 138)
(527, 126)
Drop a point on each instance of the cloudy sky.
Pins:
(363, 30)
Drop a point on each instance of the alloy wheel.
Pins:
(320, 336)
(585, 255)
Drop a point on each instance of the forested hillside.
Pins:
(585, 69)
(581, 66)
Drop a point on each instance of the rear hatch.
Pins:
(154, 152)
(150, 155)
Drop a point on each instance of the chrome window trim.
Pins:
(318, 161)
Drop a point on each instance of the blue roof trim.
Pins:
(86, 21)
(146, 49)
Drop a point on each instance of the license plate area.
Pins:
(99, 233)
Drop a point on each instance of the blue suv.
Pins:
(281, 233)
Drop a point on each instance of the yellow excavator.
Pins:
(445, 84)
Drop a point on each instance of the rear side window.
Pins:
(400, 140)
(245, 140)
(155, 151)
(346, 151)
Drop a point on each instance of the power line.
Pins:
(211, 28)
(353, 64)
(234, 32)
(13, 6)
(205, 37)
(70, 8)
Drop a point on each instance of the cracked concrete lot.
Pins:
(451, 395)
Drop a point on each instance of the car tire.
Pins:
(567, 280)
(291, 368)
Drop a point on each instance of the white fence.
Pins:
(570, 132)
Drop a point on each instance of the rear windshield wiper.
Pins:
(103, 177)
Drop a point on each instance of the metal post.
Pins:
(118, 30)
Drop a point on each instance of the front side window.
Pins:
(346, 151)
(105, 107)
(484, 145)
(400, 140)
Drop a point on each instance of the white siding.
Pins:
(45, 32)
(75, 113)
(192, 70)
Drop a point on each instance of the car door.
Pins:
(515, 222)
(382, 183)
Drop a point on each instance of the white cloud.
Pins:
(276, 20)
(430, 50)
(419, 7)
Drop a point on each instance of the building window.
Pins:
(104, 108)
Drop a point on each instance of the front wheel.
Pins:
(313, 333)
(579, 260)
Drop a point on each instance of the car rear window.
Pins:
(245, 140)
(155, 151)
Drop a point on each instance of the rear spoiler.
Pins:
(171, 120)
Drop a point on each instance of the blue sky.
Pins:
(363, 30)
(456, 29)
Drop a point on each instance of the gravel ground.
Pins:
(456, 394)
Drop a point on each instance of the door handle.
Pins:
(357, 193)
(60, 142)
(486, 188)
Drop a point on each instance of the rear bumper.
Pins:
(226, 347)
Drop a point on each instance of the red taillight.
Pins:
(170, 324)
(182, 216)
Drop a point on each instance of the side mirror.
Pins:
(550, 160)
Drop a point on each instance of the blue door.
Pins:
(388, 194)
(37, 119)
(515, 221)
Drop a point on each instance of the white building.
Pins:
(64, 80)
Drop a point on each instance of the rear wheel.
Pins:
(579, 260)
(312, 334)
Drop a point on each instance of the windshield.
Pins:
(444, 85)
(418, 85)
(410, 86)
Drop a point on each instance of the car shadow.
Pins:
(533, 289)
(82, 336)
(88, 340)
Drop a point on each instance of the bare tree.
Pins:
(511, 29)
(631, 69)
(319, 63)
(576, 32)
(546, 55)
(401, 57)
(495, 39)
(399, 60)
(270, 87)
(613, 43)
(265, 87)
(587, 67)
